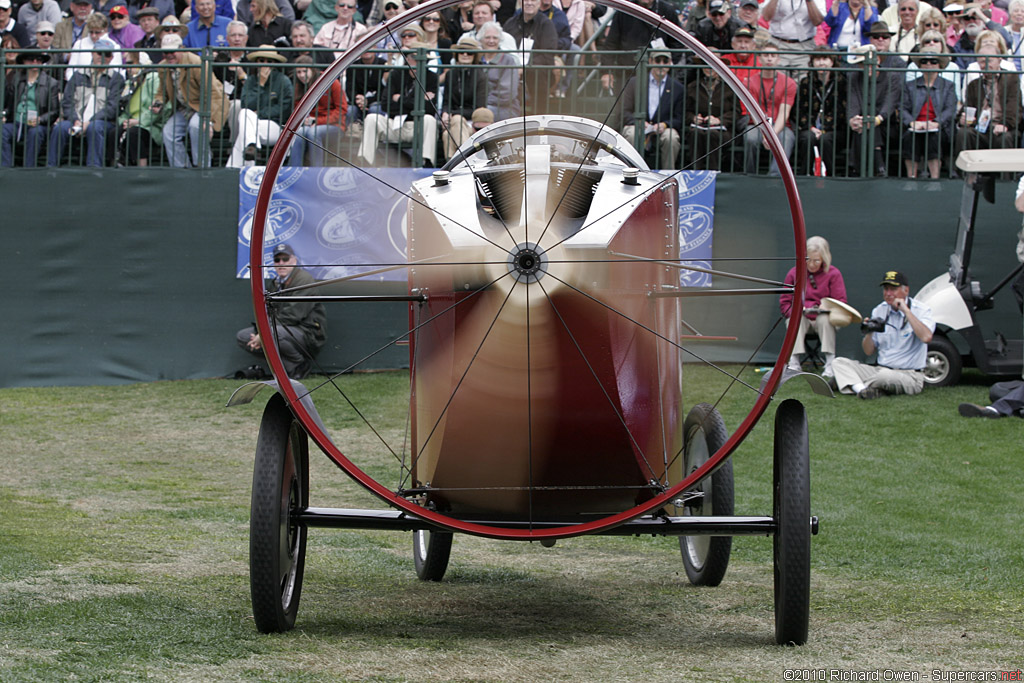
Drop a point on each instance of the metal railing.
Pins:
(819, 121)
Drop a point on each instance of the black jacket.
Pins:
(670, 107)
(402, 81)
(47, 96)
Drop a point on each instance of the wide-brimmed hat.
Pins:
(22, 57)
(930, 52)
(171, 23)
(879, 28)
(415, 28)
(266, 52)
(467, 43)
(840, 313)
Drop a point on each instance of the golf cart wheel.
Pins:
(792, 513)
(706, 558)
(277, 543)
(430, 552)
(942, 369)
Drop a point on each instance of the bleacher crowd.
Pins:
(850, 88)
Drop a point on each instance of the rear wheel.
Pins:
(430, 552)
(792, 513)
(942, 369)
(706, 558)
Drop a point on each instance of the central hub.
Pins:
(526, 262)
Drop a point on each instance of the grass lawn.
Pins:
(124, 532)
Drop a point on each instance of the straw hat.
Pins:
(266, 52)
(171, 23)
(840, 314)
(930, 51)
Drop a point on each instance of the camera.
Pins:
(872, 325)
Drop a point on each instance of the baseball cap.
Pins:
(45, 27)
(118, 9)
(744, 31)
(749, 3)
(283, 249)
(718, 7)
(104, 45)
(895, 278)
(5, 4)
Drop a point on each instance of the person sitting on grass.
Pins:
(899, 330)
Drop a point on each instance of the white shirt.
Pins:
(792, 21)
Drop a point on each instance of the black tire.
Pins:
(277, 544)
(792, 513)
(944, 364)
(706, 558)
(430, 553)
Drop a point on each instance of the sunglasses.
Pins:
(929, 62)
(264, 61)
(281, 258)
(932, 42)
(341, 6)
(933, 23)
(45, 33)
(908, 9)
(432, 20)
(662, 60)
(410, 34)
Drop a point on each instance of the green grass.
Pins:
(124, 531)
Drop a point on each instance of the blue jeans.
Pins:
(177, 127)
(95, 142)
(33, 138)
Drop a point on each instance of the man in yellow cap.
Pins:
(899, 329)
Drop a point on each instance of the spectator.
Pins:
(821, 107)
(245, 13)
(10, 46)
(96, 28)
(823, 280)
(502, 78)
(181, 91)
(141, 123)
(392, 8)
(90, 107)
(149, 22)
(163, 8)
(268, 24)
(556, 14)
(9, 26)
(866, 115)
(465, 87)
(362, 83)
(717, 29)
(398, 99)
(343, 32)
(927, 111)
(692, 13)
(265, 104)
(484, 13)
(902, 346)
(44, 42)
(229, 68)
(711, 107)
(34, 11)
(991, 104)
(793, 25)
(749, 13)
(170, 25)
(72, 29)
(850, 21)
(534, 34)
(1016, 30)
(930, 19)
(743, 61)
(299, 328)
(122, 31)
(207, 28)
(225, 8)
(407, 35)
(434, 32)
(628, 33)
(993, 12)
(951, 73)
(663, 102)
(32, 103)
(371, 12)
(880, 37)
(775, 92)
(316, 12)
(974, 23)
(904, 17)
(460, 17)
(302, 38)
(325, 123)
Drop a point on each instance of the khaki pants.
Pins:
(849, 372)
(459, 130)
(669, 146)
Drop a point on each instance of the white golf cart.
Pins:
(956, 299)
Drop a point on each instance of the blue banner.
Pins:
(340, 221)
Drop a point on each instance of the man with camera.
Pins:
(899, 329)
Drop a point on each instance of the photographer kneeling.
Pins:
(899, 329)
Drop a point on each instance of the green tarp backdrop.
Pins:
(126, 275)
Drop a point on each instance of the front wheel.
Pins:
(430, 552)
(942, 369)
(277, 542)
(706, 558)
(792, 512)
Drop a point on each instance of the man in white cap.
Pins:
(34, 11)
(9, 26)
